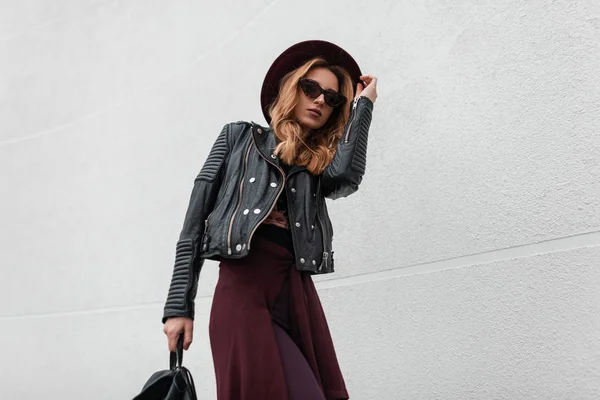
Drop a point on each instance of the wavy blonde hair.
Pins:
(316, 149)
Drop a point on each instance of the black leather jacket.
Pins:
(237, 188)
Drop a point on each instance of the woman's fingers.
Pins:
(368, 79)
(176, 326)
(188, 335)
(173, 341)
(370, 87)
(359, 89)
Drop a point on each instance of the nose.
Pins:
(320, 99)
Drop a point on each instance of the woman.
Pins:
(264, 188)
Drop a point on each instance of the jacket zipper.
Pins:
(203, 240)
(239, 202)
(206, 224)
(274, 202)
(325, 253)
(352, 119)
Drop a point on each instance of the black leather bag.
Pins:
(175, 383)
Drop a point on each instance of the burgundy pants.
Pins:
(301, 381)
(268, 333)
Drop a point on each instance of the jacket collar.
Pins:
(264, 137)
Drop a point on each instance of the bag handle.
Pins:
(176, 358)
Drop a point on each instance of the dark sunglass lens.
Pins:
(333, 99)
(310, 89)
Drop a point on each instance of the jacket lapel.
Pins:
(266, 143)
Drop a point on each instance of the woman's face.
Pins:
(315, 120)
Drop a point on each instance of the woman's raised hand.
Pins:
(367, 88)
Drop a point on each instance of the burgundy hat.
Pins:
(297, 55)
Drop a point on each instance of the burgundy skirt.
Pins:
(264, 312)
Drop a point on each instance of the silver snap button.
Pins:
(273, 156)
(259, 130)
(229, 251)
(314, 262)
(243, 246)
(298, 224)
(314, 195)
(256, 210)
(312, 227)
(238, 247)
(252, 179)
(302, 260)
(273, 184)
(246, 211)
(293, 190)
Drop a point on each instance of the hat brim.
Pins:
(295, 56)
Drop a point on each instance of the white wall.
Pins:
(467, 264)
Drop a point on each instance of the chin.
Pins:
(310, 123)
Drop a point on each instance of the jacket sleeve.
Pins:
(344, 173)
(184, 282)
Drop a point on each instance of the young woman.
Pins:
(258, 207)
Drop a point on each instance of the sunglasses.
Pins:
(313, 90)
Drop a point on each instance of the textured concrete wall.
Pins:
(467, 263)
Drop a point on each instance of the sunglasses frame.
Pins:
(303, 81)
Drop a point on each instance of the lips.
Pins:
(314, 112)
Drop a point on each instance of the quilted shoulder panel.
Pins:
(215, 158)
